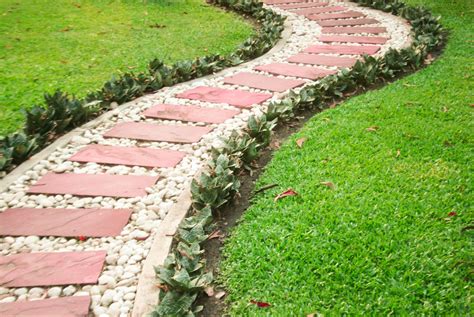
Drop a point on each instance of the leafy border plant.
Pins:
(62, 112)
(184, 274)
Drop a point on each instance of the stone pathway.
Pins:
(77, 227)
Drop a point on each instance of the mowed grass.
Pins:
(386, 240)
(76, 45)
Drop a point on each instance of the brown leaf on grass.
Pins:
(67, 29)
(275, 145)
(219, 295)
(445, 109)
(372, 128)
(398, 153)
(157, 26)
(216, 234)
(77, 5)
(286, 193)
(163, 287)
(300, 142)
(209, 291)
(328, 184)
(260, 304)
(310, 315)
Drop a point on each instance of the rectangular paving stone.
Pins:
(353, 39)
(156, 132)
(319, 10)
(347, 22)
(353, 30)
(323, 60)
(93, 185)
(288, 6)
(51, 268)
(282, 1)
(73, 306)
(342, 49)
(295, 70)
(238, 98)
(263, 82)
(332, 16)
(131, 156)
(63, 222)
(189, 113)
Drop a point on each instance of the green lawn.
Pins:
(381, 242)
(76, 45)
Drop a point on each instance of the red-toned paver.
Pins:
(93, 185)
(319, 10)
(323, 60)
(282, 1)
(131, 156)
(73, 306)
(342, 49)
(295, 70)
(347, 22)
(353, 39)
(263, 82)
(189, 113)
(301, 5)
(332, 16)
(158, 132)
(353, 30)
(238, 98)
(63, 222)
(53, 268)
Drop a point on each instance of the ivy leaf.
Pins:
(286, 193)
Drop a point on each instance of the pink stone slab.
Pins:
(353, 30)
(282, 1)
(319, 10)
(93, 185)
(189, 113)
(53, 268)
(331, 16)
(301, 5)
(74, 306)
(323, 60)
(131, 156)
(295, 70)
(238, 98)
(348, 22)
(263, 82)
(157, 132)
(353, 39)
(63, 222)
(343, 49)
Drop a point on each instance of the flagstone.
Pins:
(131, 156)
(157, 132)
(63, 222)
(323, 60)
(343, 49)
(73, 306)
(301, 5)
(53, 268)
(353, 39)
(353, 30)
(238, 98)
(339, 15)
(346, 22)
(126, 186)
(319, 10)
(189, 113)
(270, 2)
(263, 82)
(295, 70)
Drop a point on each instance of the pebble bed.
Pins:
(115, 293)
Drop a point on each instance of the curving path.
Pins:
(77, 226)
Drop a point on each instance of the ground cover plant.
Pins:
(76, 46)
(380, 221)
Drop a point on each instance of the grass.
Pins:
(77, 45)
(381, 242)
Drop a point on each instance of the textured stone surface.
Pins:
(132, 156)
(295, 70)
(263, 82)
(157, 132)
(348, 22)
(47, 269)
(323, 60)
(354, 30)
(63, 222)
(74, 306)
(339, 15)
(343, 49)
(189, 113)
(93, 185)
(238, 98)
(282, 1)
(287, 6)
(319, 10)
(353, 39)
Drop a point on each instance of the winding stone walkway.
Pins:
(77, 227)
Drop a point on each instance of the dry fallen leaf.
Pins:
(260, 304)
(398, 153)
(275, 145)
(286, 193)
(310, 315)
(219, 295)
(372, 129)
(300, 142)
(328, 184)
(209, 291)
(216, 234)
